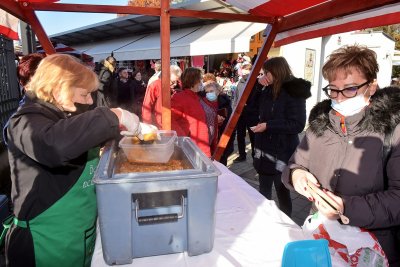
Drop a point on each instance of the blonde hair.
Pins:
(60, 74)
(176, 70)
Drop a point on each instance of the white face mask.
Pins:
(350, 106)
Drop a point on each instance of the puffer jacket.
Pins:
(351, 164)
(285, 117)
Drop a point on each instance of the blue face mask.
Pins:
(211, 96)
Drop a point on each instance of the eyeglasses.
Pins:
(348, 92)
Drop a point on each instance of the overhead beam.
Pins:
(326, 10)
(219, 16)
(262, 56)
(149, 11)
(39, 31)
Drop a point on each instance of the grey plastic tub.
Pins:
(155, 213)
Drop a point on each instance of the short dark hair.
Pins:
(190, 77)
(121, 69)
(27, 67)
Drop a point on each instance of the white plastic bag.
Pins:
(348, 245)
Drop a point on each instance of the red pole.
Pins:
(230, 127)
(37, 28)
(165, 63)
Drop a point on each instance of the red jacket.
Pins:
(152, 106)
(189, 119)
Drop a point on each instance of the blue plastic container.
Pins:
(307, 253)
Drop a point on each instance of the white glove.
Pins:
(146, 128)
(131, 122)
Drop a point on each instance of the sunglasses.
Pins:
(348, 92)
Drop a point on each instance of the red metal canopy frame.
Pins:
(289, 21)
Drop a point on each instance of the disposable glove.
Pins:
(130, 122)
(148, 132)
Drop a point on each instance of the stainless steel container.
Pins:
(152, 213)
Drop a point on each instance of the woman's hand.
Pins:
(326, 209)
(128, 121)
(259, 128)
(220, 119)
(300, 179)
(263, 80)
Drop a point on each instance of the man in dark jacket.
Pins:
(125, 90)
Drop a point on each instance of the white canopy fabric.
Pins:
(232, 37)
(104, 49)
(149, 47)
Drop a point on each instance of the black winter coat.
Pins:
(285, 117)
(48, 151)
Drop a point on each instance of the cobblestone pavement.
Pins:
(245, 169)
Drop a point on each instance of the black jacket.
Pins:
(48, 151)
(251, 110)
(285, 117)
(224, 102)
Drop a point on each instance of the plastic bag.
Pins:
(348, 245)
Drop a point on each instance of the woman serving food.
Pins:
(53, 141)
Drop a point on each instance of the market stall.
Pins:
(250, 231)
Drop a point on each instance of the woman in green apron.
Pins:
(53, 142)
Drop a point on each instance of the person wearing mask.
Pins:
(139, 89)
(106, 94)
(152, 106)
(53, 142)
(209, 102)
(282, 117)
(125, 90)
(344, 148)
(249, 116)
(188, 117)
(224, 113)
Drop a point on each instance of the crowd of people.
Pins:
(350, 149)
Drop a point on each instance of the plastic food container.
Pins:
(158, 152)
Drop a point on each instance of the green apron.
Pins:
(65, 233)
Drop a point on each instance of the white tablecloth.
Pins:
(250, 231)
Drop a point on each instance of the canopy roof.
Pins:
(200, 40)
